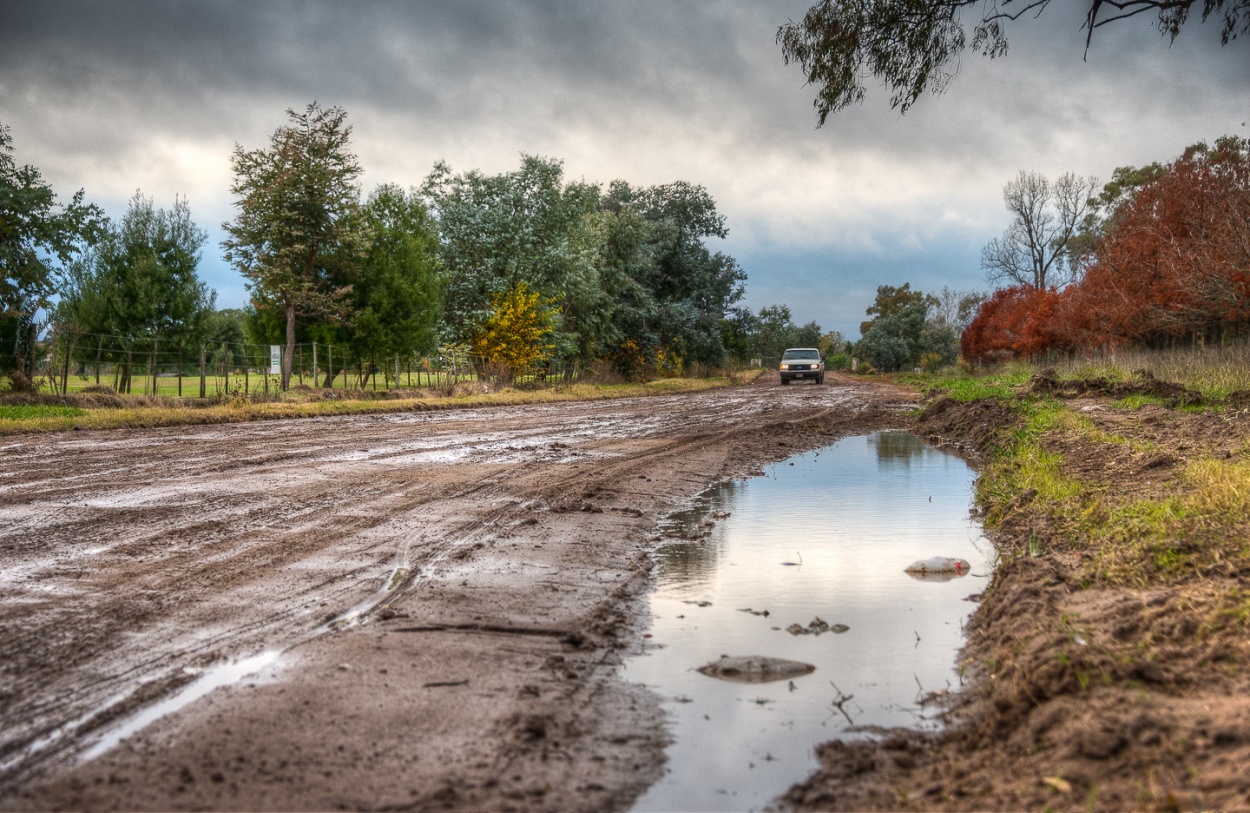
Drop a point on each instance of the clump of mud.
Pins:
(970, 426)
(1143, 382)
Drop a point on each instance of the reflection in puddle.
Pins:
(819, 544)
(221, 675)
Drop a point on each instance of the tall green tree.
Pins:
(516, 227)
(692, 288)
(38, 239)
(397, 296)
(916, 45)
(297, 236)
(141, 281)
(891, 339)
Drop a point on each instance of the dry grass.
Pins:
(305, 404)
(1214, 370)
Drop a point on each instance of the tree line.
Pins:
(1160, 256)
(518, 269)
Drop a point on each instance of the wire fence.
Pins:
(71, 363)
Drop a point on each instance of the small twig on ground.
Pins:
(838, 702)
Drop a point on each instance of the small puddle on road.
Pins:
(821, 539)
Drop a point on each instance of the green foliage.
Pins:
(838, 361)
(892, 338)
(38, 238)
(502, 230)
(916, 45)
(141, 278)
(911, 328)
(22, 412)
(892, 301)
(396, 298)
(297, 235)
(629, 265)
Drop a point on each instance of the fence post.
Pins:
(180, 368)
(247, 382)
(225, 366)
(330, 365)
(154, 367)
(316, 372)
(65, 373)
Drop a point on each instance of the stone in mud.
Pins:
(939, 565)
(818, 626)
(755, 669)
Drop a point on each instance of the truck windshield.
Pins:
(795, 355)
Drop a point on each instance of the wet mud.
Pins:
(412, 611)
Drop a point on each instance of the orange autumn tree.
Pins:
(1177, 265)
(1171, 263)
(516, 335)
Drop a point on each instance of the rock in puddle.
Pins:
(755, 669)
(818, 626)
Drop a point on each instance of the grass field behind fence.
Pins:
(138, 411)
(251, 384)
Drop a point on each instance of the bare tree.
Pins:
(956, 308)
(1034, 250)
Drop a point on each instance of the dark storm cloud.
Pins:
(116, 96)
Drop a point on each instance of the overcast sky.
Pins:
(117, 97)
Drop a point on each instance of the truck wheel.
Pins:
(785, 381)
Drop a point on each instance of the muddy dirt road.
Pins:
(428, 608)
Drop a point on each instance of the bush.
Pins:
(838, 361)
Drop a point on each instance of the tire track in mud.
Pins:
(300, 536)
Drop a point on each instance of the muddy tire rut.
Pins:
(445, 598)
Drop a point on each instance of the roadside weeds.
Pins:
(1107, 663)
(49, 413)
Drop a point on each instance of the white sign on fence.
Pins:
(275, 359)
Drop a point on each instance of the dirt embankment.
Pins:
(1110, 662)
(431, 605)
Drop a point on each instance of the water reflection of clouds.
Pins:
(857, 513)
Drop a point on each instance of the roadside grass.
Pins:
(24, 412)
(1216, 371)
(1191, 522)
(964, 385)
(17, 419)
(1194, 521)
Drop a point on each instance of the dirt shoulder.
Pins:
(1110, 657)
(432, 604)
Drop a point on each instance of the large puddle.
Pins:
(826, 535)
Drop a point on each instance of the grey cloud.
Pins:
(123, 94)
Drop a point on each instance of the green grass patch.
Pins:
(1199, 523)
(1139, 401)
(24, 412)
(1000, 383)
